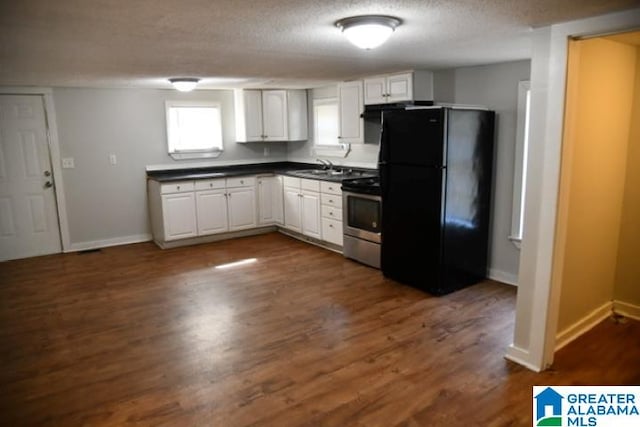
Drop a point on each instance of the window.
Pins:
(520, 167)
(194, 129)
(326, 128)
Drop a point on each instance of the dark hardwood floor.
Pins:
(135, 335)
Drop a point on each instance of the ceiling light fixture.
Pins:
(184, 84)
(368, 31)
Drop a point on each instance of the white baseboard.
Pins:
(521, 357)
(583, 325)
(626, 309)
(116, 241)
(502, 276)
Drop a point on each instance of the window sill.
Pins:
(196, 155)
(341, 150)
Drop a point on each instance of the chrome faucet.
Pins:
(326, 164)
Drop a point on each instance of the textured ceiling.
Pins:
(139, 43)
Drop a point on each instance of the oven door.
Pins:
(362, 215)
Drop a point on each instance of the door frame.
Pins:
(54, 154)
(537, 302)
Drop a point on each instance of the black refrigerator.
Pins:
(436, 175)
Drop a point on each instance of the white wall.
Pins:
(108, 204)
(496, 87)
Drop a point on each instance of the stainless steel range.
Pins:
(362, 213)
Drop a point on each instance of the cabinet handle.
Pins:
(177, 187)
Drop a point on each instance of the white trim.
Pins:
(521, 357)
(116, 241)
(54, 152)
(626, 309)
(520, 166)
(502, 276)
(538, 300)
(583, 325)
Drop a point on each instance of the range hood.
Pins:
(374, 112)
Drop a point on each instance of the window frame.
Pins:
(338, 149)
(197, 153)
(520, 161)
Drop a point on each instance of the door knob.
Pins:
(47, 173)
(48, 184)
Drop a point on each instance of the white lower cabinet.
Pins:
(211, 208)
(331, 206)
(292, 209)
(188, 209)
(270, 200)
(179, 216)
(302, 206)
(242, 208)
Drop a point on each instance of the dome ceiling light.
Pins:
(184, 84)
(368, 31)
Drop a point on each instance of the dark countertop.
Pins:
(283, 168)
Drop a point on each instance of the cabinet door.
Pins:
(311, 214)
(375, 91)
(179, 212)
(277, 199)
(332, 231)
(292, 209)
(265, 201)
(253, 115)
(242, 208)
(270, 200)
(211, 208)
(274, 115)
(350, 106)
(400, 87)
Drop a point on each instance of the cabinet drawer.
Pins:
(310, 184)
(243, 181)
(332, 231)
(331, 200)
(209, 184)
(331, 188)
(290, 181)
(176, 187)
(331, 212)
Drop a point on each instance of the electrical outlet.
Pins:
(68, 163)
(113, 159)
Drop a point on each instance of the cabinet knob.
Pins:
(241, 182)
(211, 184)
(339, 137)
(177, 187)
(331, 213)
(330, 225)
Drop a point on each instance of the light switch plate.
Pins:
(68, 163)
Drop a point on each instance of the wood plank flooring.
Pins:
(135, 335)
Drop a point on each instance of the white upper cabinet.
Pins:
(270, 115)
(350, 107)
(274, 115)
(375, 90)
(412, 86)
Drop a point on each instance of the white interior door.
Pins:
(28, 214)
